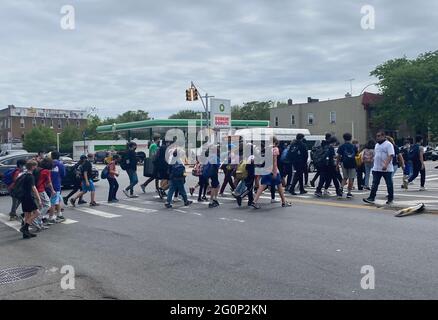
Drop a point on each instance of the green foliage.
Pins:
(254, 110)
(187, 114)
(67, 137)
(40, 139)
(410, 93)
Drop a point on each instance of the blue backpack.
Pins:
(206, 170)
(177, 171)
(8, 177)
(105, 173)
(284, 157)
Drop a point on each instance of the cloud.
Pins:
(126, 55)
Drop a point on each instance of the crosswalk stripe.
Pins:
(130, 208)
(69, 221)
(16, 225)
(98, 213)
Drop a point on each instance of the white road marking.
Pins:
(232, 220)
(98, 213)
(130, 208)
(16, 225)
(69, 221)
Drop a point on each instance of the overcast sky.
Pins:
(128, 55)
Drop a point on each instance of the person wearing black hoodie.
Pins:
(298, 155)
(131, 170)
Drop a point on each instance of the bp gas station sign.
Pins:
(220, 113)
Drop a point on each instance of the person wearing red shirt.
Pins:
(43, 182)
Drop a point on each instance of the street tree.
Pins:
(254, 110)
(410, 93)
(40, 139)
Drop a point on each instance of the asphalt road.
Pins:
(312, 250)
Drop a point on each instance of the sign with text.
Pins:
(220, 112)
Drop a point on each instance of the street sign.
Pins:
(220, 113)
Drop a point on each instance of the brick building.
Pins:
(16, 122)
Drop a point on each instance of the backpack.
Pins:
(18, 190)
(348, 156)
(414, 153)
(197, 170)
(241, 172)
(320, 156)
(206, 170)
(8, 177)
(105, 173)
(78, 171)
(124, 161)
(284, 156)
(367, 156)
(177, 170)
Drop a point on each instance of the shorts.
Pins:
(348, 173)
(55, 198)
(90, 188)
(215, 181)
(45, 201)
(268, 180)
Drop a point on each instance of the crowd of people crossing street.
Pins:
(36, 184)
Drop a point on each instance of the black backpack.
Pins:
(124, 161)
(177, 171)
(414, 153)
(17, 191)
(320, 156)
(349, 156)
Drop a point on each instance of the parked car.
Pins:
(10, 161)
(428, 153)
(12, 152)
(99, 157)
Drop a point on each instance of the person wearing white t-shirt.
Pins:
(382, 167)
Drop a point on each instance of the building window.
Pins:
(310, 119)
(33, 122)
(292, 119)
(333, 117)
(51, 123)
(276, 121)
(59, 124)
(21, 122)
(78, 124)
(9, 123)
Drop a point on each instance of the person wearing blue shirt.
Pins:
(57, 174)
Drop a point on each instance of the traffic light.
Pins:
(189, 96)
(195, 94)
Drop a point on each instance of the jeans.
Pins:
(377, 176)
(113, 188)
(227, 180)
(368, 167)
(417, 170)
(15, 204)
(325, 179)
(203, 185)
(133, 180)
(176, 186)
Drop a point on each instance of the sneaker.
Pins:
(274, 201)
(65, 200)
(422, 189)
(204, 198)
(52, 221)
(168, 205)
(143, 188)
(36, 226)
(286, 204)
(176, 200)
(239, 201)
(13, 217)
(126, 193)
(191, 190)
(318, 194)
(43, 227)
(213, 204)
(255, 205)
(312, 184)
(161, 193)
(368, 200)
(133, 196)
(48, 222)
(60, 219)
(303, 192)
(326, 192)
(73, 202)
(188, 203)
(94, 204)
(349, 195)
(389, 202)
(82, 201)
